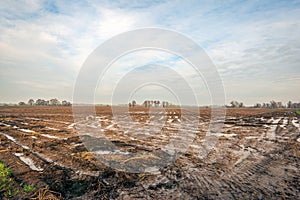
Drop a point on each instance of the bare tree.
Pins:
(151, 103)
(40, 102)
(65, 103)
(165, 104)
(147, 103)
(257, 105)
(290, 104)
(133, 103)
(280, 104)
(234, 104)
(273, 104)
(296, 105)
(54, 102)
(21, 103)
(156, 103)
(31, 102)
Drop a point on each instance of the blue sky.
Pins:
(255, 45)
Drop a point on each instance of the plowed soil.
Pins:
(256, 156)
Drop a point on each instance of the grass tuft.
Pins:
(8, 188)
(6, 182)
(28, 188)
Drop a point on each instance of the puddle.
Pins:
(51, 128)
(295, 123)
(111, 152)
(26, 130)
(14, 140)
(28, 161)
(3, 124)
(71, 126)
(224, 135)
(251, 137)
(53, 137)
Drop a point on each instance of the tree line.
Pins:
(271, 104)
(151, 103)
(274, 104)
(43, 102)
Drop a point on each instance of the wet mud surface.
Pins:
(256, 155)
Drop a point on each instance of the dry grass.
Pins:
(46, 194)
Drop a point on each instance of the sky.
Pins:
(254, 45)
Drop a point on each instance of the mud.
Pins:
(256, 155)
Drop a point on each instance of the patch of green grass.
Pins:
(9, 188)
(28, 188)
(6, 182)
(4, 171)
(298, 112)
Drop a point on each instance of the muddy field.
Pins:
(256, 156)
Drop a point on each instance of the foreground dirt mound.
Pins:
(256, 155)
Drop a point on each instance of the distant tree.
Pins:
(31, 102)
(133, 104)
(21, 103)
(296, 105)
(129, 104)
(54, 102)
(151, 103)
(290, 104)
(266, 105)
(146, 103)
(165, 104)
(65, 103)
(273, 104)
(234, 104)
(40, 102)
(280, 104)
(257, 105)
(241, 105)
(156, 103)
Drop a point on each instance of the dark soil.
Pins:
(256, 156)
